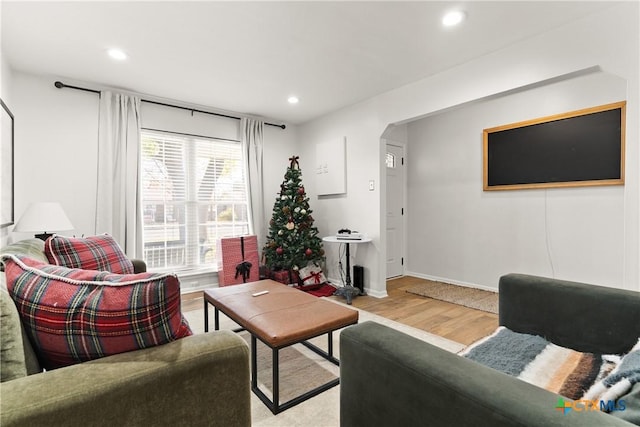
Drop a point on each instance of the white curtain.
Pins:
(252, 132)
(118, 196)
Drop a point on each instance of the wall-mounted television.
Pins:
(574, 149)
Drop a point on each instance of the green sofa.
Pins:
(391, 379)
(200, 380)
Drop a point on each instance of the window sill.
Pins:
(192, 280)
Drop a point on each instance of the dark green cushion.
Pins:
(583, 317)
(201, 380)
(432, 387)
(32, 248)
(12, 361)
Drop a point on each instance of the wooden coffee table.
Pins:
(280, 317)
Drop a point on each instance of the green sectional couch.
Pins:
(391, 379)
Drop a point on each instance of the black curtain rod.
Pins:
(61, 85)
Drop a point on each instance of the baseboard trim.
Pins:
(451, 281)
(376, 294)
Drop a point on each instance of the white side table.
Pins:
(347, 290)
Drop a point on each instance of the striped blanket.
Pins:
(560, 370)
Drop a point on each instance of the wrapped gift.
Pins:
(284, 276)
(312, 276)
(238, 260)
(264, 272)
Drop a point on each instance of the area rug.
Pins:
(322, 410)
(461, 295)
(301, 369)
(326, 290)
(298, 373)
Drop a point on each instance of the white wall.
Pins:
(358, 209)
(56, 143)
(5, 77)
(56, 147)
(473, 236)
(159, 117)
(539, 61)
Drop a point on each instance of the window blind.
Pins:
(194, 192)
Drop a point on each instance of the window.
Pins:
(390, 160)
(193, 192)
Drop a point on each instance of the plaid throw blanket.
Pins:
(621, 380)
(560, 370)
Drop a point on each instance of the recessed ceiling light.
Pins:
(293, 100)
(117, 54)
(453, 18)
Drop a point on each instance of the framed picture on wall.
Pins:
(6, 165)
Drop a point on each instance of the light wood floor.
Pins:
(452, 321)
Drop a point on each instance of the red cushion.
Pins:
(74, 315)
(88, 253)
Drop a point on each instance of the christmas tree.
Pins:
(292, 242)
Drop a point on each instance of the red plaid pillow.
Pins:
(88, 253)
(73, 315)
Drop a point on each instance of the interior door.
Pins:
(395, 209)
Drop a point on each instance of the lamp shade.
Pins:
(43, 217)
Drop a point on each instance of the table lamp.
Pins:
(43, 217)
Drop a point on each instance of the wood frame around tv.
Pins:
(575, 149)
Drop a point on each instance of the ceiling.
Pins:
(249, 57)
